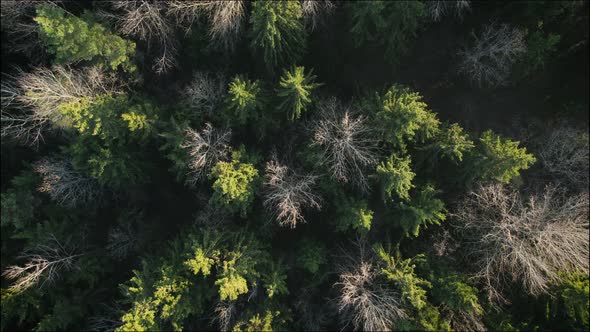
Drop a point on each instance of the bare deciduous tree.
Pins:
(226, 312)
(30, 101)
(439, 8)
(109, 319)
(365, 301)
(66, 185)
(226, 18)
(205, 92)
(288, 193)
(21, 31)
(45, 261)
(488, 61)
(462, 320)
(146, 20)
(205, 149)
(346, 143)
(565, 154)
(311, 315)
(529, 241)
(313, 11)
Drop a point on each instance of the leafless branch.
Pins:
(488, 61)
(226, 314)
(146, 20)
(513, 239)
(43, 262)
(205, 92)
(288, 193)
(365, 301)
(437, 9)
(226, 18)
(66, 185)
(314, 10)
(565, 154)
(30, 101)
(205, 149)
(346, 143)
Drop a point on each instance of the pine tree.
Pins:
(73, 39)
(395, 176)
(295, 91)
(278, 32)
(404, 118)
(244, 101)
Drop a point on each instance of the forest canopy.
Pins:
(307, 165)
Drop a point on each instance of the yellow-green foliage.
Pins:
(257, 323)
(278, 32)
(275, 280)
(401, 272)
(501, 158)
(353, 214)
(231, 285)
(404, 118)
(422, 210)
(233, 188)
(295, 91)
(141, 317)
(73, 39)
(395, 176)
(244, 100)
(452, 143)
(200, 263)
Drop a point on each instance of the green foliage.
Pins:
(258, 323)
(244, 101)
(141, 119)
(403, 118)
(311, 256)
(295, 91)
(18, 202)
(391, 24)
(540, 47)
(428, 319)
(173, 136)
(572, 298)
(73, 39)
(236, 259)
(99, 117)
(353, 214)
(156, 302)
(395, 177)
(452, 291)
(423, 209)
(108, 126)
(111, 163)
(499, 158)
(451, 143)
(278, 32)
(18, 307)
(401, 273)
(234, 186)
(275, 280)
(111, 117)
